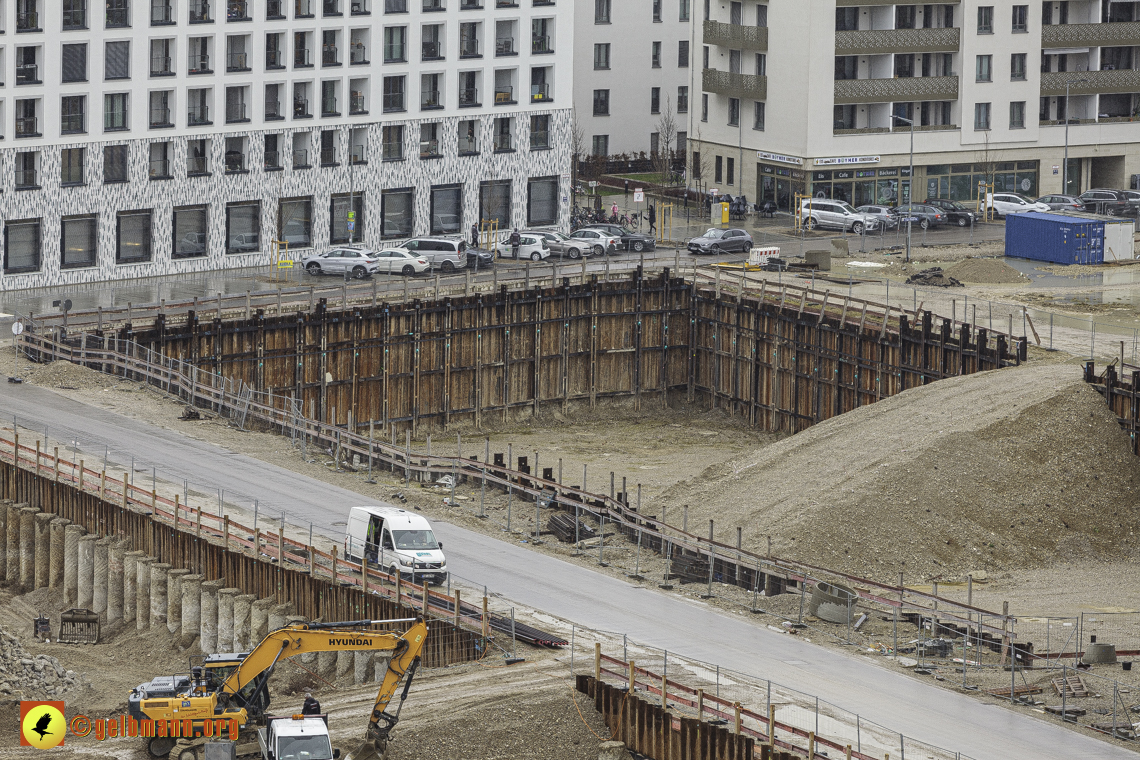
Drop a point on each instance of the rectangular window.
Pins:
(1021, 18)
(654, 100)
(118, 14)
(601, 102)
(78, 241)
(295, 222)
(132, 237)
(601, 11)
(758, 117)
(761, 15)
(986, 19)
(601, 55)
(393, 94)
(985, 68)
(272, 152)
(905, 16)
(981, 116)
(393, 143)
(540, 132)
(115, 112)
(761, 65)
(682, 99)
(243, 227)
(468, 137)
(683, 14)
(655, 56)
(396, 213)
(22, 246)
(429, 140)
(654, 143)
(198, 157)
(446, 209)
(71, 119)
(71, 166)
(495, 203)
(117, 60)
(74, 63)
(730, 174)
(683, 54)
(160, 160)
(115, 164)
(394, 37)
(27, 169)
(733, 112)
(682, 139)
(189, 232)
(657, 10)
(704, 106)
(1017, 67)
(342, 206)
(601, 145)
(74, 14)
(1017, 115)
(846, 19)
(718, 170)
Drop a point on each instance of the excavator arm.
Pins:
(406, 661)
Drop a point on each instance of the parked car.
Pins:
(630, 240)
(1062, 202)
(562, 245)
(359, 262)
(477, 258)
(1012, 203)
(882, 214)
(1107, 202)
(1133, 197)
(445, 254)
(922, 216)
(715, 241)
(837, 215)
(600, 241)
(531, 246)
(193, 242)
(955, 212)
(402, 261)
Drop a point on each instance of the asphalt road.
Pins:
(904, 704)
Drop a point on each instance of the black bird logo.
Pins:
(42, 724)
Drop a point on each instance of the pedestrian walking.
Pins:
(652, 218)
(516, 240)
(614, 210)
(474, 235)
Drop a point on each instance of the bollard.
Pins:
(85, 589)
(142, 592)
(191, 623)
(174, 599)
(101, 565)
(243, 608)
(28, 547)
(115, 585)
(42, 528)
(131, 584)
(71, 536)
(226, 598)
(159, 595)
(208, 625)
(259, 620)
(58, 551)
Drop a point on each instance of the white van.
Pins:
(397, 541)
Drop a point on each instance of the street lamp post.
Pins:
(1065, 170)
(910, 194)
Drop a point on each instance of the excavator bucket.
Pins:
(78, 626)
(369, 750)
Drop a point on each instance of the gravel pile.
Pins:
(933, 277)
(1019, 467)
(28, 675)
(985, 271)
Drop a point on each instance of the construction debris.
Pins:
(933, 277)
(30, 676)
(568, 529)
(1070, 686)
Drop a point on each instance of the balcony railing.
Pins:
(196, 164)
(198, 115)
(468, 146)
(160, 167)
(274, 9)
(301, 58)
(904, 90)
(27, 178)
(540, 93)
(200, 12)
(745, 86)
(429, 148)
(274, 59)
(328, 107)
(199, 64)
(161, 13)
(430, 99)
(118, 17)
(301, 108)
(237, 10)
(300, 158)
(470, 5)
(328, 157)
(27, 126)
(503, 142)
(28, 21)
(539, 138)
(160, 117)
(357, 155)
(272, 159)
(273, 109)
(1094, 82)
(356, 104)
(1115, 34)
(237, 62)
(540, 45)
(505, 46)
(468, 97)
(235, 162)
(504, 94)
(330, 55)
(357, 53)
(886, 41)
(432, 51)
(28, 73)
(236, 112)
(469, 47)
(393, 101)
(71, 124)
(75, 18)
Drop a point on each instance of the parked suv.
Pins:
(837, 215)
(445, 254)
(882, 215)
(1107, 202)
(1004, 204)
(359, 262)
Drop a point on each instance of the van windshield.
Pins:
(414, 539)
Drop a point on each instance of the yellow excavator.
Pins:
(241, 695)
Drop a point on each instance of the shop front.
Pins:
(962, 182)
(779, 183)
(860, 187)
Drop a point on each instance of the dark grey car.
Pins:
(924, 216)
(716, 241)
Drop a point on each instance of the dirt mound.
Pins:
(985, 271)
(1012, 468)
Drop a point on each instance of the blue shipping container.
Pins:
(1054, 238)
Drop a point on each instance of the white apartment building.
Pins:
(151, 137)
(633, 63)
(803, 97)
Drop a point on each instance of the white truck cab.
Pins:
(397, 541)
(296, 737)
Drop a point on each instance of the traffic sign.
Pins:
(351, 215)
(639, 196)
(17, 328)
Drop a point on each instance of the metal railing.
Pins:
(540, 45)
(468, 96)
(430, 99)
(505, 46)
(196, 164)
(75, 17)
(272, 109)
(72, 123)
(274, 59)
(199, 64)
(27, 126)
(357, 53)
(200, 11)
(331, 8)
(301, 57)
(356, 103)
(469, 47)
(357, 155)
(303, 9)
(197, 115)
(118, 17)
(237, 10)
(236, 112)
(235, 162)
(540, 93)
(468, 146)
(392, 150)
(393, 101)
(429, 148)
(272, 159)
(300, 157)
(503, 142)
(27, 21)
(160, 65)
(434, 5)
(504, 94)
(328, 107)
(432, 51)
(539, 138)
(27, 73)
(236, 62)
(394, 53)
(395, 6)
(328, 156)
(301, 107)
(160, 117)
(27, 178)
(330, 55)
(159, 167)
(274, 9)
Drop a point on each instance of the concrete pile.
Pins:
(101, 574)
(26, 675)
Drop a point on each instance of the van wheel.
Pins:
(359, 273)
(536, 256)
(447, 267)
(408, 270)
(314, 269)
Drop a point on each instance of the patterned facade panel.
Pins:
(1117, 34)
(1090, 82)
(736, 36)
(881, 41)
(746, 86)
(897, 90)
(215, 190)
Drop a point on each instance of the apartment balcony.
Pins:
(1095, 82)
(856, 3)
(197, 116)
(881, 41)
(737, 36)
(504, 95)
(901, 128)
(300, 159)
(27, 126)
(900, 90)
(745, 86)
(1122, 34)
(356, 104)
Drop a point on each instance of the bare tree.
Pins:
(666, 135)
(989, 158)
(698, 172)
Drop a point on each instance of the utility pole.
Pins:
(1065, 167)
(910, 185)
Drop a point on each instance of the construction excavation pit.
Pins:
(847, 481)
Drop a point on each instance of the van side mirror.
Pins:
(440, 543)
(336, 754)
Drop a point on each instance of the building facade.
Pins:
(632, 67)
(170, 136)
(832, 117)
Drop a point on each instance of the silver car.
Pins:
(359, 262)
(562, 245)
(600, 242)
(882, 215)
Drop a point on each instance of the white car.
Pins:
(531, 246)
(1012, 203)
(359, 262)
(401, 261)
(837, 215)
(600, 242)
